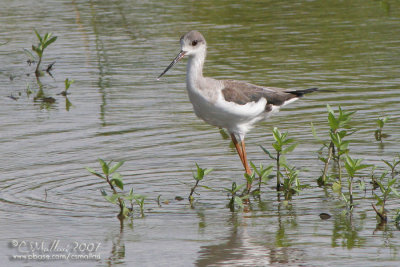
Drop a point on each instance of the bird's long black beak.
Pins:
(176, 60)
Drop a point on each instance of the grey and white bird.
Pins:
(230, 104)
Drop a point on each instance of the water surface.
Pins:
(114, 50)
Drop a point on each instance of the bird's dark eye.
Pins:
(194, 43)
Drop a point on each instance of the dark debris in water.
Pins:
(324, 216)
(178, 198)
(49, 100)
(13, 97)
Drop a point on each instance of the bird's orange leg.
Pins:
(238, 148)
(241, 150)
(246, 164)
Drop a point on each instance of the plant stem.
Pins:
(37, 71)
(351, 192)
(340, 170)
(120, 201)
(278, 179)
(327, 162)
(381, 215)
(192, 190)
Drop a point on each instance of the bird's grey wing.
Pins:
(242, 93)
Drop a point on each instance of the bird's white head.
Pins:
(192, 44)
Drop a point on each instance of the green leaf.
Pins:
(239, 201)
(314, 133)
(207, 187)
(113, 198)
(277, 135)
(249, 178)
(52, 40)
(200, 173)
(330, 110)
(116, 166)
(268, 153)
(237, 188)
(388, 163)
(103, 192)
(117, 175)
(277, 147)
(38, 36)
(289, 148)
(379, 200)
(395, 192)
(29, 54)
(68, 83)
(391, 182)
(125, 211)
(104, 166)
(95, 173)
(37, 50)
(362, 185)
(118, 183)
(255, 168)
(344, 197)
(207, 171)
(129, 196)
(324, 160)
(333, 123)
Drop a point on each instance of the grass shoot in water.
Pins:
(282, 146)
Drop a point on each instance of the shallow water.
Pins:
(114, 50)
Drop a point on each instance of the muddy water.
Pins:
(117, 110)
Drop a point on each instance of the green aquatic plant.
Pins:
(249, 179)
(291, 183)
(114, 180)
(139, 201)
(67, 83)
(386, 187)
(282, 146)
(378, 132)
(353, 166)
(263, 174)
(198, 176)
(235, 198)
(44, 42)
(392, 165)
(65, 93)
(339, 125)
(397, 218)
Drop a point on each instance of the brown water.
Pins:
(114, 50)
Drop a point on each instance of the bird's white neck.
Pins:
(194, 71)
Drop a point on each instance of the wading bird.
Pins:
(233, 105)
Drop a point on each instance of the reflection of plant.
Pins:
(44, 42)
(345, 233)
(114, 180)
(281, 140)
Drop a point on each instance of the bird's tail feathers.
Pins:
(300, 93)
